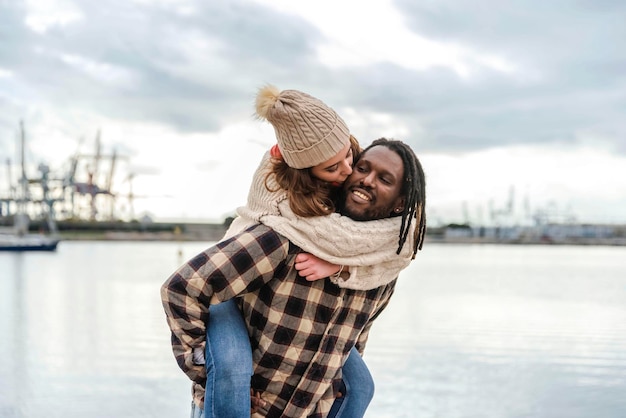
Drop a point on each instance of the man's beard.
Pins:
(340, 204)
(370, 214)
(354, 216)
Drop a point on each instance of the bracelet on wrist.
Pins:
(338, 274)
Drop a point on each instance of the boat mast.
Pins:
(21, 218)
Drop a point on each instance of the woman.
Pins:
(292, 191)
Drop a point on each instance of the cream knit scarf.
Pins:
(369, 248)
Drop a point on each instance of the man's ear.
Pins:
(399, 206)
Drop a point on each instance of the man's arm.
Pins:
(384, 301)
(233, 267)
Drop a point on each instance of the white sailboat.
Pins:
(30, 242)
(18, 238)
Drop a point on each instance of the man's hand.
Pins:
(313, 268)
(255, 401)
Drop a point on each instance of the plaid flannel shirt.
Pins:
(301, 332)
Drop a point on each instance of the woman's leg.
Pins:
(228, 362)
(358, 389)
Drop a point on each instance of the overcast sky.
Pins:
(499, 99)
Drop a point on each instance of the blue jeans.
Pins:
(357, 389)
(228, 360)
(229, 367)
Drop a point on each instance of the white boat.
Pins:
(18, 238)
(29, 242)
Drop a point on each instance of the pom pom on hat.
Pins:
(308, 131)
(266, 98)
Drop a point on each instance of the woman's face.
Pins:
(337, 169)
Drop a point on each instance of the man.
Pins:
(300, 331)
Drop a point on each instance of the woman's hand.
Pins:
(313, 268)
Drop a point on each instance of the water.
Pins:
(472, 331)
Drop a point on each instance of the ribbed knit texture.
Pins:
(369, 248)
(260, 201)
(308, 131)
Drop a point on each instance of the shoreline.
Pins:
(613, 242)
(216, 234)
(71, 230)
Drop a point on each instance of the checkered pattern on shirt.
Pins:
(301, 332)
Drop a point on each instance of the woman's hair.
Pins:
(413, 190)
(308, 195)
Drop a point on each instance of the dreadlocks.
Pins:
(413, 190)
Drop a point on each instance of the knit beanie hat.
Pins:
(307, 130)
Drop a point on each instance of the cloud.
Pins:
(463, 77)
(571, 63)
(137, 61)
(451, 79)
